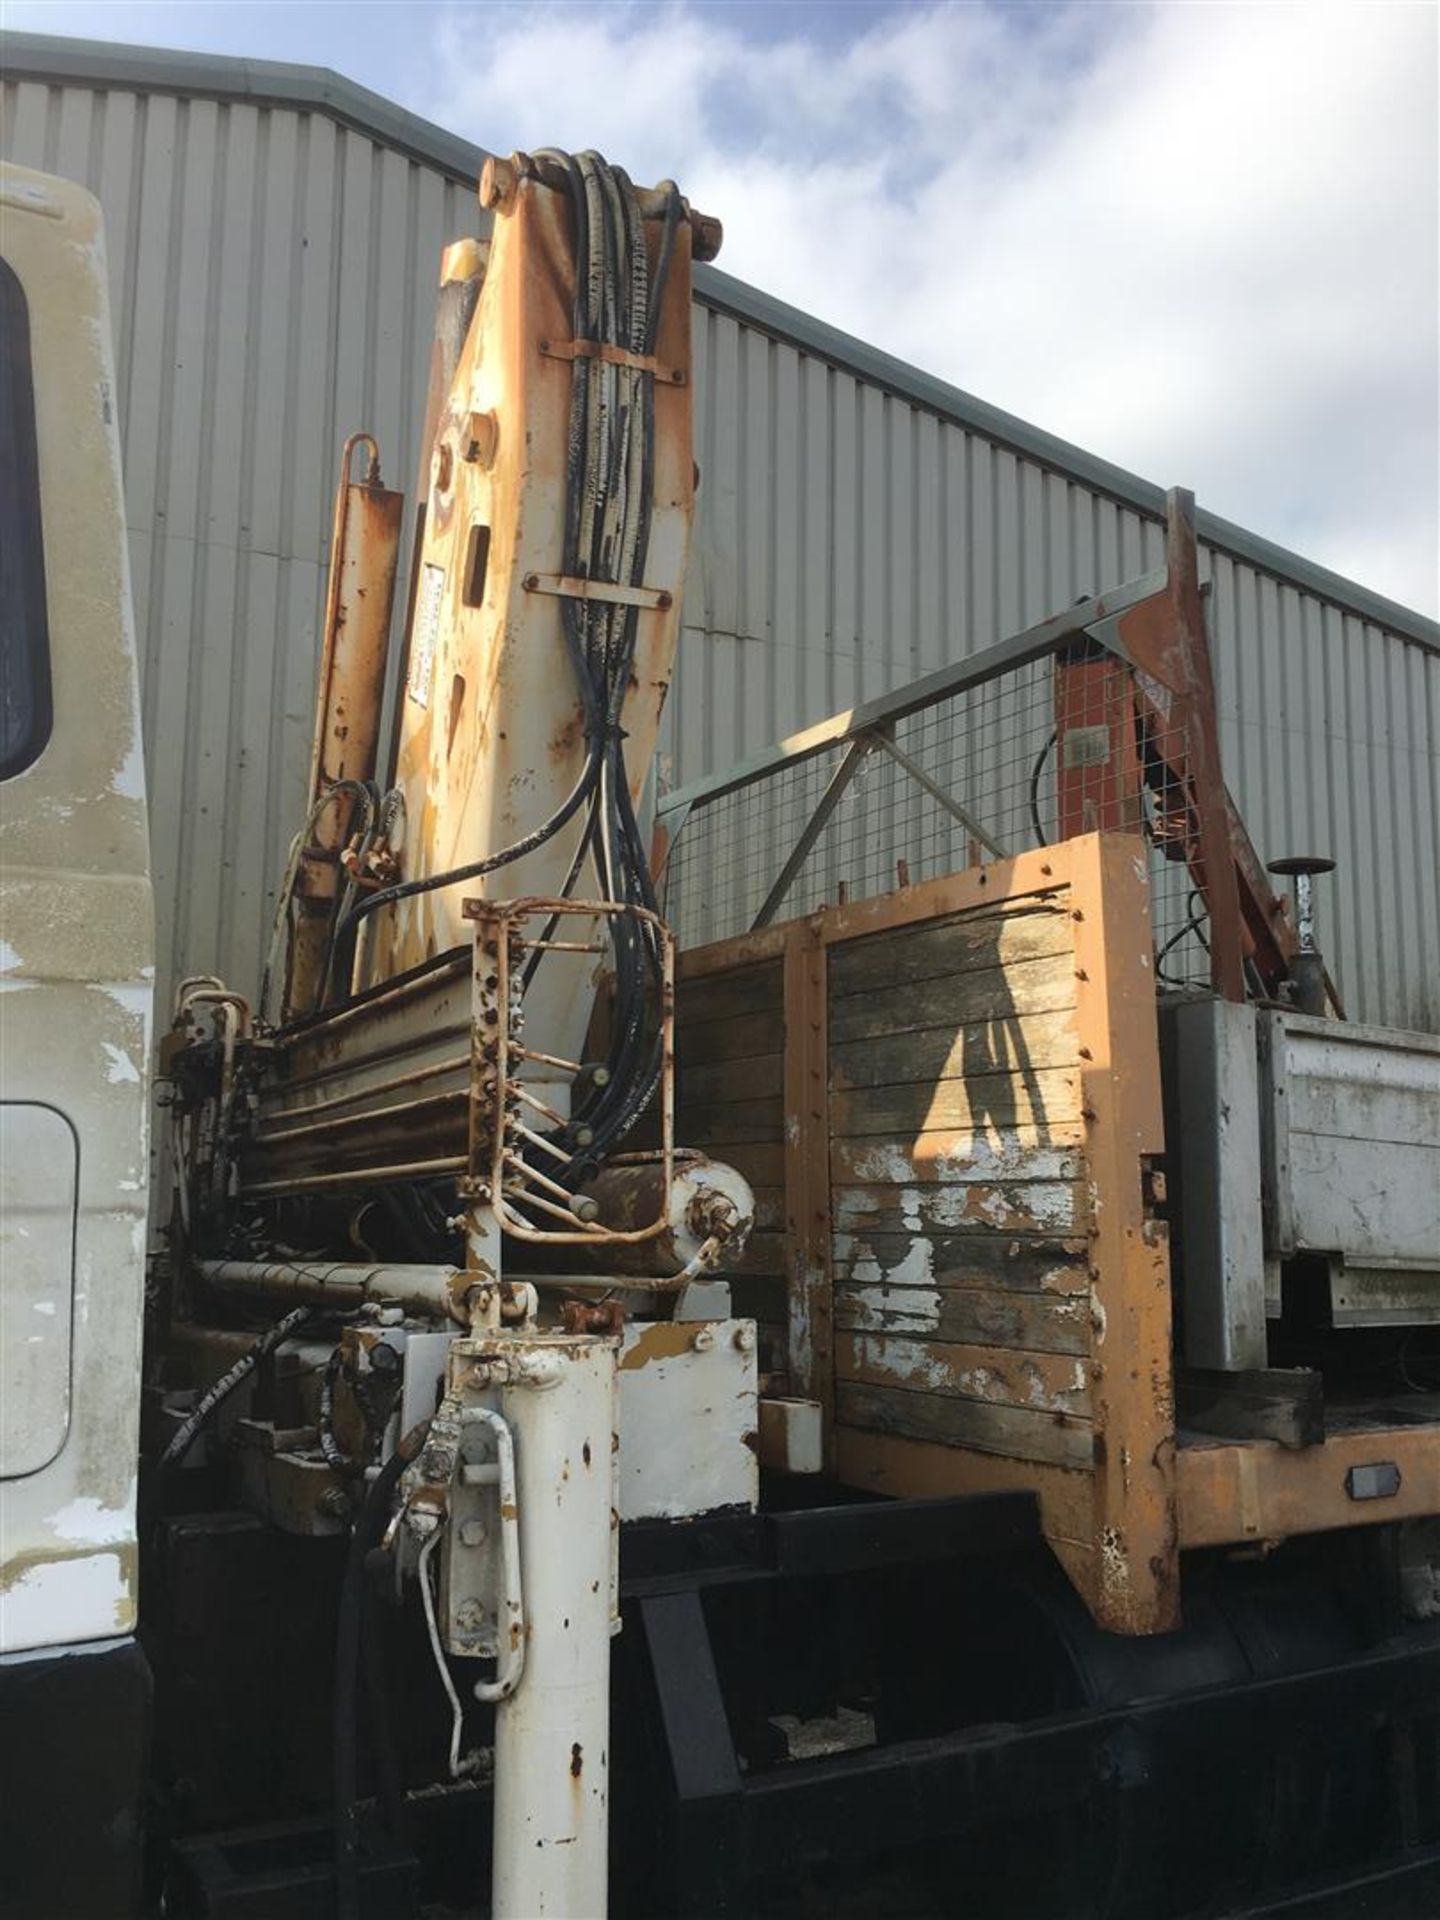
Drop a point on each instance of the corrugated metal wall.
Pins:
(272, 282)
(273, 275)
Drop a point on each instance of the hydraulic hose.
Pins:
(185, 1435)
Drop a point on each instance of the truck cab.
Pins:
(76, 986)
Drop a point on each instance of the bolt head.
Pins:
(472, 1533)
(470, 1616)
(704, 1340)
(745, 1337)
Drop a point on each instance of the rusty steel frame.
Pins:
(1260, 1491)
(496, 1057)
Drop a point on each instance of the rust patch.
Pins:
(577, 1761)
(664, 1340)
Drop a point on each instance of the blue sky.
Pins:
(1198, 239)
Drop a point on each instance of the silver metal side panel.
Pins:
(1350, 1120)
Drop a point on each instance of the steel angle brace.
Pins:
(880, 739)
(573, 586)
(612, 356)
(884, 738)
(858, 750)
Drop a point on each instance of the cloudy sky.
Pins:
(1197, 239)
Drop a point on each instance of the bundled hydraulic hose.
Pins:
(609, 495)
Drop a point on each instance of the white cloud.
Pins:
(1200, 240)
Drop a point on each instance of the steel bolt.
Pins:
(472, 1533)
(745, 1337)
(470, 1616)
(704, 1340)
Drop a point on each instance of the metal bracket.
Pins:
(571, 586)
(612, 356)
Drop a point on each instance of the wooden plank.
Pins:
(1000, 1376)
(710, 1124)
(728, 995)
(952, 1157)
(1044, 1101)
(964, 944)
(1039, 1323)
(761, 1161)
(1009, 1263)
(1058, 1439)
(1286, 1404)
(1011, 884)
(729, 1081)
(971, 1049)
(979, 1206)
(1046, 985)
(740, 1036)
(769, 1207)
(763, 1252)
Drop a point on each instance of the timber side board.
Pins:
(947, 1099)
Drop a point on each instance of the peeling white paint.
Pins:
(971, 1156)
(908, 1311)
(129, 781)
(119, 1067)
(84, 1598)
(133, 1001)
(10, 961)
(915, 1268)
(91, 1523)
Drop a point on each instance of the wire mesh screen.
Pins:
(1057, 746)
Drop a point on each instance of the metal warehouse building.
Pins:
(274, 236)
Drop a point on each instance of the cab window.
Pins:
(25, 712)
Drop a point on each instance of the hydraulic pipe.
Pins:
(344, 1285)
(364, 556)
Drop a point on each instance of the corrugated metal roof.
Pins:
(274, 235)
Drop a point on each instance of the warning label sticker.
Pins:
(427, 628)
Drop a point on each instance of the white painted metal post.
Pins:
(552, 1736)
